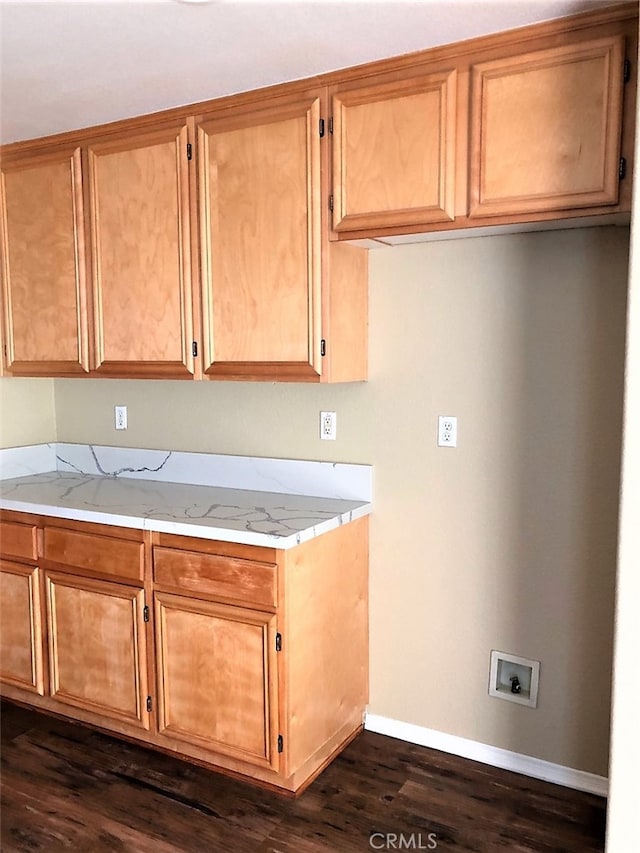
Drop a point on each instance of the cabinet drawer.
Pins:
(212, 575)
(19, 540)
(101, 554)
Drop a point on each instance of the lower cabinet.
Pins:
(97, 647)
(249, 660)
(217, 677)
(21, 635)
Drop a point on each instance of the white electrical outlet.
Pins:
(328, 426)
(120, 417)
(447, 431)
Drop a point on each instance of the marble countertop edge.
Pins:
(72, 514)
(195, 530)
(249, 500)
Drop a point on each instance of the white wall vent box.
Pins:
(514, 678)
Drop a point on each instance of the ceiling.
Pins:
(66, 65)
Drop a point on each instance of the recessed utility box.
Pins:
(514, 678)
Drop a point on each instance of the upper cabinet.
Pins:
(269, 279)
(278, 301)
(546, 129)
(259, 188)
(123, 307)
(225, 240)
(523, 126)
(43, 264)
(138, 192)
(394, 149)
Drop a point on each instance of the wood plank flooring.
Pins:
(68, 788)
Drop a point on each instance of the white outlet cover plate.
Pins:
(328, 426)
(120, 415)
(447, 431)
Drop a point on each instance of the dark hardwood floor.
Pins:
(66, 787)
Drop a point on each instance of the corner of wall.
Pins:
(27, 411)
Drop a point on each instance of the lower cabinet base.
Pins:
(301, 780)
(246, 660)
(293, 785)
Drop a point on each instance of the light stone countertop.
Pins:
(248, 516)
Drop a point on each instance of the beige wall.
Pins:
(245, 418)
(506, 542)
(27, 413)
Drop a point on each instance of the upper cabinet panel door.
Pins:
(139, 212)
(545, 132)
(43, 265)
(394, 153)
(259, 185)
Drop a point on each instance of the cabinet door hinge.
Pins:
(622, 168)
(331, 125)
(278, 642)
(626, 71)
(321, 127)
(194, 349)
(189, 151)
(149, 704)
(280, 743)
(331, 203)
(145, 613)
(323, 347)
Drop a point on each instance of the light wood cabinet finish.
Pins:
(259, 183)
(140, 246)
(43, 264)
(18, 540)
(21, 630)
(318, 677)
(247, 659)
(543, 117)
(325, 639)
(211, 575)
(545, 131)
(231, 265)
(97, 648)
(394, 149)
(106, 555)
(217, 677)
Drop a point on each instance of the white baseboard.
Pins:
(493, 755)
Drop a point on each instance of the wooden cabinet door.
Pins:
(44, 265)
(217, 677)
(140, 241)
(21, 634)
(545, 132)
(97, 648)
(394, 150)
(259, 187)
